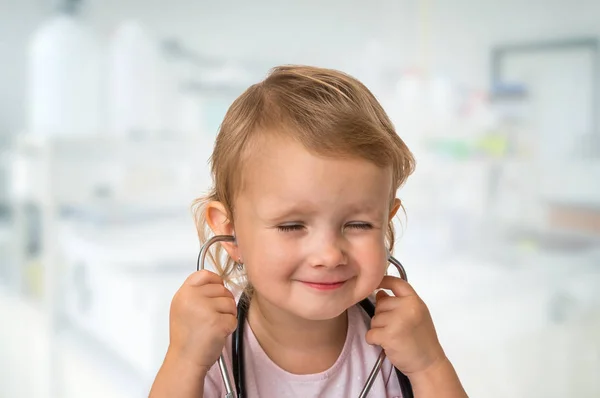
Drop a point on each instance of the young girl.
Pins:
(306, 167)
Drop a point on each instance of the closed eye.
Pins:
(363, 226)
(299, 227)
(290, 227)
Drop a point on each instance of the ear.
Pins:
(396, 204)
(220, 224)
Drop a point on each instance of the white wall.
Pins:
(455, 37)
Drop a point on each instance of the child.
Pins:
(306, 167)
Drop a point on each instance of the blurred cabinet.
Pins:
(118, 284)
(561, 361)
(110, 240)
(518, 331)
(557, 360)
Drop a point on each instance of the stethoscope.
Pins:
(237, 338)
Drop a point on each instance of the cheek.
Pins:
(265, 257)
(372, 260)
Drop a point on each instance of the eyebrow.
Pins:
(276, 214)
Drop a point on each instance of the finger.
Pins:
(375, 336)
(380, 295)
(385, 303)
(384, 320)
(216, 290)
(230, 323)
(224, 305)
(203, 277)
(399, 287)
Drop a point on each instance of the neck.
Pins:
(296, 344)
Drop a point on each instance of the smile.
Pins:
(324, 286)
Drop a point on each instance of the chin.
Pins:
(319, 312)
(321, 315)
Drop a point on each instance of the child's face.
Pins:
(311, 230)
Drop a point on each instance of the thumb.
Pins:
(380, 294)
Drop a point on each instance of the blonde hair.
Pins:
(329, 112)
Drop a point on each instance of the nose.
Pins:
(329, 251)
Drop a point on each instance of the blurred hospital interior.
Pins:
(109, 110)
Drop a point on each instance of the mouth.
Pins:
(324, 285)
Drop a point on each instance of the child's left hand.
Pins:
(402, 326)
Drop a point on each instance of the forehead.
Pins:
(277, 169)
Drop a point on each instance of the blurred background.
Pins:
(108, 111)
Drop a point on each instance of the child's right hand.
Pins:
(203, 315)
